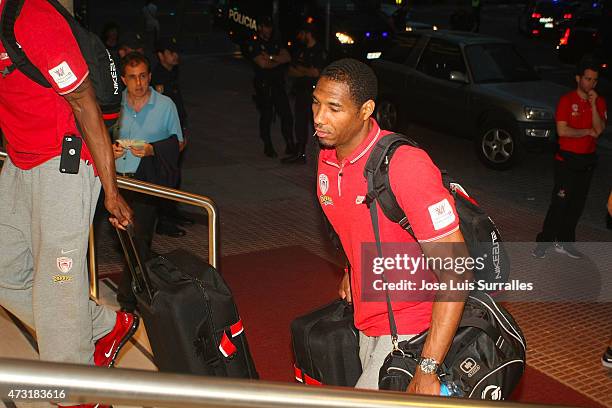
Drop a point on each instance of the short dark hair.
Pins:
(132, 59)
(587, 62)
(359, 77)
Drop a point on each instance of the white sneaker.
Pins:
(568, 249)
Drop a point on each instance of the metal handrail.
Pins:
(163, 192)
(87, 384)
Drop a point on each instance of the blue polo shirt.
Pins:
(157, 121)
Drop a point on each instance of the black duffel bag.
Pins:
(485, 361)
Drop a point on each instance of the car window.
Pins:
(440, 58)
(401, 49)
(492, 63)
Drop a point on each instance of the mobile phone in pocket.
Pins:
(71, 154)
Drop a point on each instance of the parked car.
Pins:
(469, 84)
(546, 17)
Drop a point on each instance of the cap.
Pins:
(167, 43)
(131, 40)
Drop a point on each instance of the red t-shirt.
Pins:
(417, 185)
(33, 118)
(578, 114)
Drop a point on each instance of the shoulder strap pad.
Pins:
(378, 167)
(18, 57)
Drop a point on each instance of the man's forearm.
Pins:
(568, 131)
(598, 124)
(87, 113)
(445, 318)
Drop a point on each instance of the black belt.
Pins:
(130, 175)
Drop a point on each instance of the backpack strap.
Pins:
(377, 173)
(18, 57)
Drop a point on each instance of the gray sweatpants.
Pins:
(44, 226)
(372, 353)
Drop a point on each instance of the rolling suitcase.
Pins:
(189, 313)
(326, 346)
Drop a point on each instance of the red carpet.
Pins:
(275, 286)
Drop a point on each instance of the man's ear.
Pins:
(367, 109)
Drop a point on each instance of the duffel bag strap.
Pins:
(374, 217)
(492, 331)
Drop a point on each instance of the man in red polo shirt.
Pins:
(45, 214)
(343, 102)
(581, 119)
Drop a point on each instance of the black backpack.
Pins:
(102, 67)
(479, 231)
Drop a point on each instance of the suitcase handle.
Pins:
(134, 259)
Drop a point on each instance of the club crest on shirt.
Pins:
(323, 183)
(575, 111)
(64, 264)
(3, 56)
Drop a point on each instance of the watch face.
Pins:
(428, 365)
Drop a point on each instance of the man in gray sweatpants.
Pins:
(45, 213)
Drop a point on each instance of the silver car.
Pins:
(469, 84)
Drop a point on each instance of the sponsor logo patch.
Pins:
(442, 214)
(3, 56)
(326, 200)
(61, 278)
(360, 199)
(63, 75)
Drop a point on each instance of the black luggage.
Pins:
(189, 313)
(326, 346)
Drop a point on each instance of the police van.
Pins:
(348, 28)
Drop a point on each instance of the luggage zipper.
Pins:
(214, 362)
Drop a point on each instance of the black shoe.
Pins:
(170, 230)
(606, 359)
(269, 151)
(297, 159)
(290, 149)
(181, 219)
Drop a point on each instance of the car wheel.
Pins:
(497, 144)
(387, 115)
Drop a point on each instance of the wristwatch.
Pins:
(428, 365)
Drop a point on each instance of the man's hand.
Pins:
(592, 98)
(121, 214)
(118, 150)
(421, 383)
(345, 288)
(143, 150)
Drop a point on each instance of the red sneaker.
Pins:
(107, 348)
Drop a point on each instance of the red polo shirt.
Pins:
(417, 185)
(577, 113)
(33, 118)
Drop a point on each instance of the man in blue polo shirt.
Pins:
(147, 146)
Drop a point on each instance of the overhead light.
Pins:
(344, 38)
(408, 28)
(435, 28)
